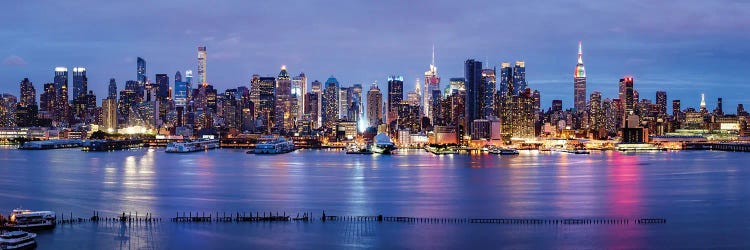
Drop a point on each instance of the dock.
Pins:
(110, 145)
(51, 144)
(307, 217)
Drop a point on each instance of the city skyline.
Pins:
(664, 55)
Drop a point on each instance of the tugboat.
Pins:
(17, 240)
(382, 144)
(273, 145)
(27, 219)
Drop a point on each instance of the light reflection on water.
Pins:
(688, 188)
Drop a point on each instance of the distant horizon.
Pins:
(701, 48)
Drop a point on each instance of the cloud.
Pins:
(14, 60)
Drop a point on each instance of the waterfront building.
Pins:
(579, 83)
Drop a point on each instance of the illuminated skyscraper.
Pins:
(285, 106)
(109, 115)
(596, 115)
(28, 93)
(266, 101)
(579, 83)
(330, 102)
(299, 88)
(431, 83)
(487, 103)
(395, 96)
(26, 110)
(374, 106)
(62, 108)
(627, 97)
(80, 82)
(661, 103)
(519, 77)
(202, 66)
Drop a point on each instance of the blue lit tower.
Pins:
(141, 74)
(80, 82)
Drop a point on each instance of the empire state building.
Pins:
(579, 83)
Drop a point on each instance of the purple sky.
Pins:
(684, 47)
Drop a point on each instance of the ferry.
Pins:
(504, 151)
(17, 240)
(382, 144)
(27, 219)
(273, 145)
(639, 147)
(358, 149)
(192, 146)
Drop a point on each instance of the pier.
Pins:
(283, 217)
(51, 144)
(723, 146)
(111, 145)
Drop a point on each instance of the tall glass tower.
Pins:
(202, 65)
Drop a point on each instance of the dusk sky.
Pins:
(683, 47)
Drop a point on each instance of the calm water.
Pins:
(704, 195)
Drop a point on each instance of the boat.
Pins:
(273, 145)
(27, 219)
(639, 147)
(358, 149)
(504, 151)
(111, 145)
(382, 144)
(192, 146)
(579, 151)
(17, 240)
(447, 150)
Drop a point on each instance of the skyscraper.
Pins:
(374, 106)
(627, 97)
(141, 74)
(506, 80)
(27, 110)
(489, 81)
(395, 96)
(519, 77)
(661, 103)
(112, 89)
(202, 65)
(330, 102)
(109, 115)
(162, 85)
(285, 107)
(28, 93)
(596, 115)
(431, 83)
(474, 90)
(62, 108)
(299, 88)
(579, 83)
(266, 101)
(80, 82)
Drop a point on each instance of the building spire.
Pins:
(433, 55)
(703, 101)
(580, 53)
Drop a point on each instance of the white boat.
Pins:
(504, 151)
(357, 149)
(27, 219)
(382, 144)
(17, 240)
(273, 145)
(192, 146)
